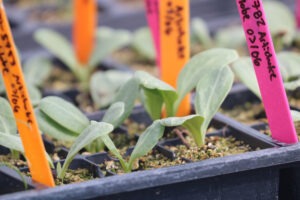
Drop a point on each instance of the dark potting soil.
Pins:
(214, 147)
(19, 163)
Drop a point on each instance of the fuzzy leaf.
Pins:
(148, 139)
(114, 113)
(11, 141)
(167, 93)
(292, 85)
(198, 67)
(104, 86)
(295, 115)
(7, 119)
(289, 65)
(108, 41)
(142, 43)
(58, 46)
(200, 32)
(127, 94)
(64, 113)
(113, 149)
(192, 123)
(88, 135)
(34, 94)
(36, 70)
(211, 91)
(243, 69)
(280, 20)
(153, 102)
(55, 130)
(231, 37)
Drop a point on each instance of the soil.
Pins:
(19, 163)
(214, 147)
(249, 113)
(75, 176)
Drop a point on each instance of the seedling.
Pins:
(211, 77)
(107, 41)
(63, 121)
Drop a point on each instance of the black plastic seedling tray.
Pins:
(252, 175)
(289, 186)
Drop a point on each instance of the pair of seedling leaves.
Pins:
(211, 77)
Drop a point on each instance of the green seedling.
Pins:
(211, 77)
(150, 137)
(4, 164)
(107, 41)
(8, 131)
(63, 121)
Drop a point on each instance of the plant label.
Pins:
(267, 72)
(175, 43)
(85, 23)
(18, 96)
(298, 13)
(152, 12)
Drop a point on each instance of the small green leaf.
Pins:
(295, 115)
(167, 93)
(243, 69)
(58, 46)
(64, 113)
(142, 43)
(289, 65)
(53, 129)
(114, 113)
(292, 85)
(36, 70)
(231, 37)
(7, 119)
(281, 20)
(148, 139)
(192, 123)
(104, 86)
(127, 94)
(11, 142)
(34, 94)
(88, 135)
(211, 91)
(198, 67)
(153, 102)
(200, 32)
(113, 149)
(108, 41)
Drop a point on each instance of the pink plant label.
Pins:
(152, 11)
(267, 72)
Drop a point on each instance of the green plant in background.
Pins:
(289, 68)
(281, 23)
(143, 45)
(211, 77)
(102, 83)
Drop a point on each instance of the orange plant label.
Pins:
(85, 23)
(20, 102)
(175, 43)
